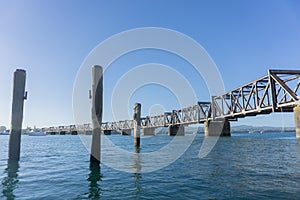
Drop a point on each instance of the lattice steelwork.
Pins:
(276, 92)
(191, 115)
(157, 121)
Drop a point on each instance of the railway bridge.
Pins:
(278, 91)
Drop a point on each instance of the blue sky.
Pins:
(51, 39)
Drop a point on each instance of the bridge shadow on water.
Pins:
(10, 181)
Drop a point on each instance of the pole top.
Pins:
(137, 104)
(97, 66)
(21, 70)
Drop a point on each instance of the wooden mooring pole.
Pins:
(137, 126)
(17, 114)
(97, 105)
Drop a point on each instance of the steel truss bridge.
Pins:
(276, 92)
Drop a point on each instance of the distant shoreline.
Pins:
(234, 129)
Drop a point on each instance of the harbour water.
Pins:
(252, 166)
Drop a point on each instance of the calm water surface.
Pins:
(252, 166)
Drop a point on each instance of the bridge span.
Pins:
(278, 91)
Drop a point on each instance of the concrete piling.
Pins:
(149, 131)
(17, 115)
(126, 132)
(97, 105)
(297, 120)
(107, 132)
(137, 125)
(217, 128)
(176, 130)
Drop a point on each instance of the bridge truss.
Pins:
(276, 92)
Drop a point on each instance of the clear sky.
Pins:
(51, 39)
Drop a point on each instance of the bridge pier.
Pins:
(177, 130)
(297, 120)
(107, 132)
(87, 132)
(126, 132)
(74, 132)
(149, 131)
(217, 128)
(62, 133)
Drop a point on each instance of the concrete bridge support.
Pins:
(88, 132)
(217, 128)
(177, 130)
(17, 115)
(297, 120)
(149, 131)
(62, 132)
(107, 132)
(126, 132)
(74, 133)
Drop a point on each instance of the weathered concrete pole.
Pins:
(137, 125)
(297, 120)
(97, 104)
(17, 115)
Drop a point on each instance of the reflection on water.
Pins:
(298, 141)
(94, 177)
(137, 149)
(137, 175)
(136, 165)
(137, 185)
(11, 180)
(244, 166)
